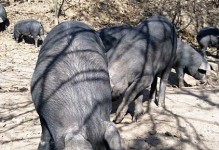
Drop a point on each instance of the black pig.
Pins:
(208, 37)
(189, 61)
(4, 22)
(111, 35)
(71, 91)
(142, 54)
(29, 27)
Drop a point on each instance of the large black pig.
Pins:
(71, 91)
(29, 27)
(111, 35)
(4, 22)
(142, 54)
(189, 61)
(208, 37)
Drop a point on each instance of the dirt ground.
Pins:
(190, 120)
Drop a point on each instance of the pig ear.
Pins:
(205, 66)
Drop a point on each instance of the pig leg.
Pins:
(217, 53)
(6, 24)
(42, 37)
(46, 140)
(36, 40)
(112, 137)
(132, 91)
(217, 56)
(180, 74)
(22, 39)
(17, 39)
(203, 49)
(162, 89)
(16, 36)
(153, 91)
(139, 109)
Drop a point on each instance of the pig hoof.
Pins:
(137, 115)
(156, 102)
(181, 87)
(203, 82)
(118, 119)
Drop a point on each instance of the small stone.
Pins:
(168, 134)
(23, 89)
(152, 132)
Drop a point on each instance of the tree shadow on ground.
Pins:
(176, 127)
(12, 114)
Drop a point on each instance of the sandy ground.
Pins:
(189, 121)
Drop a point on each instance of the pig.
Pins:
(189, 61)
(208, 37)
(71, 91)
(145, 52)
(29, 27)
(112, 34)
(4, 22)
